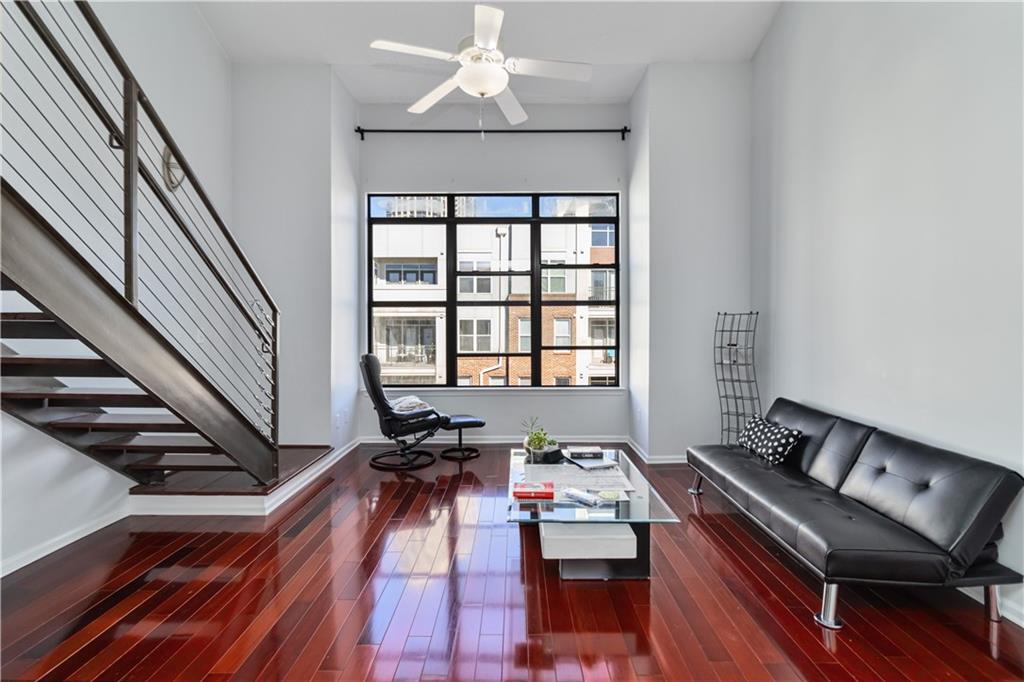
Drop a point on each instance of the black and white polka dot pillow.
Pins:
(768, 441)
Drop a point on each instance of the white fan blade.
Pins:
(433, 97)
(392, 46)
(510, 106)
(547, 68)
(487, 26)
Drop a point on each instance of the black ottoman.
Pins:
(457, 422)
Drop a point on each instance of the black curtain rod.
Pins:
(363, 132)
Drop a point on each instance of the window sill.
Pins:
(532, 391)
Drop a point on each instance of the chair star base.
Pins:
(398, 460)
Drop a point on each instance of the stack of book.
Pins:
(534, 491)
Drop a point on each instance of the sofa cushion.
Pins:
(829, 445)
(841, 538)
(954, 501)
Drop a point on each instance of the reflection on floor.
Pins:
(378, 576)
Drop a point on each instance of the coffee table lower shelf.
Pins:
(598, 551)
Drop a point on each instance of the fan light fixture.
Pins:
(484, 69)
(482, 79)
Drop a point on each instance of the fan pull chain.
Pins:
(480, 119)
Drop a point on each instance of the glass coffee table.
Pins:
(607, 542)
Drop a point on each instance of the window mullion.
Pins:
(451, 296)
(536, 326)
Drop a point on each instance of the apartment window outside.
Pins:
(494, 290)
(563, 332)
(474, 336)
(602, 235)
(410, 273)
(525, 333)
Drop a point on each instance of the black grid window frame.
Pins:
(451, 303)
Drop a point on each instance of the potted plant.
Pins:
(538, 444)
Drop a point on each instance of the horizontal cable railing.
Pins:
(84, 146)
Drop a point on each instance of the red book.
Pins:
(534, 491)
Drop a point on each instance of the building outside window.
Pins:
(410, 273)
(602, 235)
(451, 281)
(563, 332)
(525, 332)
(474, 336)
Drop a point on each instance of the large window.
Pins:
(494, 290)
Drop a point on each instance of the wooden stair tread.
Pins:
(185, 463)
(55, 366)
(32, 325)
(162, 444)
(73, 395)
(123, 422)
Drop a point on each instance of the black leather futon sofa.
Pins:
(856, 504)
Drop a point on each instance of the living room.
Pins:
(270, 398)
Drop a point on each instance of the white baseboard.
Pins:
(25, 557)
(451, 437)
(1012, 609)
(655, 459)
(235, 505)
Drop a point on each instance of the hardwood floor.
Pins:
(383, 577)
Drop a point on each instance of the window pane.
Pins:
(495, 288)
(408, 206)
(408, 262)
(495, 206)
(584, 325)
(490, 329)
(584, 285)
(409, 344)
(503, 248)
(578, 243)
(564, 206)
(577, 368)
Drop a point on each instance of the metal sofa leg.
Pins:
(829, 603)
(992, 603)
(694, 488)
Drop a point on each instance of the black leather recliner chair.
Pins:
(855, 504)
(419, 425)
(399, 426)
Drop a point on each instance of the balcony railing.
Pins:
(406, 355)
(85, 148)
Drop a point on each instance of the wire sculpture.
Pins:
(735, 374)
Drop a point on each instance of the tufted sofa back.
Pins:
(953, 500)
(829, 444)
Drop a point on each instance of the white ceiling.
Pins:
(618, 38)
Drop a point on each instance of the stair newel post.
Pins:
(275, 404)
(131, 178)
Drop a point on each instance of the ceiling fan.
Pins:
(484, 70)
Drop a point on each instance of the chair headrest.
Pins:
(369, 365)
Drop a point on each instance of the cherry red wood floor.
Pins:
(372, 576)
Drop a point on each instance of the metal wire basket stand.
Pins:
(735, 373)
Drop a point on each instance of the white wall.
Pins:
(284, 199)
(346, 265)
(504, 163)
(182, 69)
(639, 266)
(691, 183)
(887, 214)
(52, 494)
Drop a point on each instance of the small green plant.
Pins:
(536, 437)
